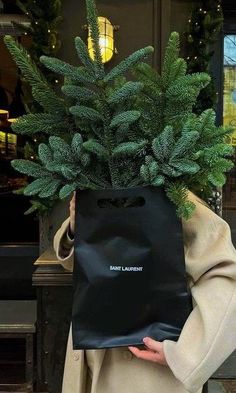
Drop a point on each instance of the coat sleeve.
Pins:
(64, 246)
(208, 336)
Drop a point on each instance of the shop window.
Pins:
(229, 115)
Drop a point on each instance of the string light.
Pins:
(36, 22)
(32, 157)
(198, 19)
(56, 81)
(35, 140)
(53, 47)
(25, 33)
(49, 31)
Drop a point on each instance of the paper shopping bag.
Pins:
(129, 269)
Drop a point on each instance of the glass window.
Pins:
(229, 118)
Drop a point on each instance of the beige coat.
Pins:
(207, 338)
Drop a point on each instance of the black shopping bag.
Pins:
(129, 269)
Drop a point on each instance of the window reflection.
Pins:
(229, 115)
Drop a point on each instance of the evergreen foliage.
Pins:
(204, 25)
(44, 17)
(125, 133)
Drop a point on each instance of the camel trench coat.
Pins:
(208, 336)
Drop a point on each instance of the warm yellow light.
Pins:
(2, 143)
(2, 136)
(8, 144)
(4, 114)
(12, 138)
(12, 120)
(106, 40)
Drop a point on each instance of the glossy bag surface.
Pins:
(129, 269)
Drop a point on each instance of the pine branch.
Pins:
(178, 194)
(171, 56)
(40, 86)
(62, 68)
(129, 62)
(92, 146)
(128, 149)
(127, 117)
(29, 168)
(61, 149)
(184, 144)
(85, 112)
(82, 51)
(127, 91)
(122, 133)
(39, 122)
(92, 18)
(162, 145)
(79, 93)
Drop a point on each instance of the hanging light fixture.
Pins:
(106, 39)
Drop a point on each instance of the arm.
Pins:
(209, 334)
(64, 246)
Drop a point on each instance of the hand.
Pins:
(72, 214)
(153, 353)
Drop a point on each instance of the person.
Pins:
(208, 336)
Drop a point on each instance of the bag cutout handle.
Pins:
(121, 203)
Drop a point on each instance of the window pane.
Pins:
(229, 118)
(229, 50)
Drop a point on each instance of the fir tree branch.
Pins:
(92, 17)
(129, 62)
(62, 68)
(51, 102)
(40, 122)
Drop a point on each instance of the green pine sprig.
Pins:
(124, 133)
